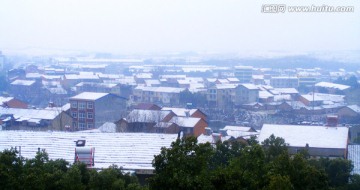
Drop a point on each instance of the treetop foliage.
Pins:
(233, 165)
(188, 165)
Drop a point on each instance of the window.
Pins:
(82, 126)
(89, 115)
(74, 104)
(81, 115)
(74, 114)
(74, 125)
(90, 105)
(90, 125)
(82, 105)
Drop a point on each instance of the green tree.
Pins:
(338, 170)
(274, 147)
(11, 169)
(181, 166)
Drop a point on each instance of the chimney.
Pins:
(332, 120)
(51, 105)
(187, 113)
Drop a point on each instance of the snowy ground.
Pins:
(129, 150)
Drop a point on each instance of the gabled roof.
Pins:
(27, 114)
(355, 108)
(265, 94)
(5, 99)
(250, 86)
(181, 111)
(185, 121)
(314, 136)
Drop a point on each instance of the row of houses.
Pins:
(165, 120)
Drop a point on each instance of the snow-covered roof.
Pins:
(285, 77)
(226, 86)
(151, 82)
(108, 76)
(249, 86)
(127, 150)
(243, 67)
(160, 89)
(51, 77)
(258, 77)
(5, 99)
(211, 79)
(195, 69)
(25, 114)
(332, 85)
(265, 94)
(331, 97)
(354, 156)
(310, 97)
(173, 76)
(237, 128)
(125, 80)
(180, 111)
(81, 77)
(233, 79)
(286, 90)
(89, 96)
(355, 108)
(185, 121)
(144, 75)
(314, 136)
(23, 82)
(33, 75)
(96, 84)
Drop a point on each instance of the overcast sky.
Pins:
(127, 26)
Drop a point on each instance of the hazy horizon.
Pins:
(135, 26)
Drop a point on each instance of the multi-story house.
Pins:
(221, 95)
(244, 73)
(284, 82)
(161, 95)
(246, 93)
(91, 110)
(25, 90)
